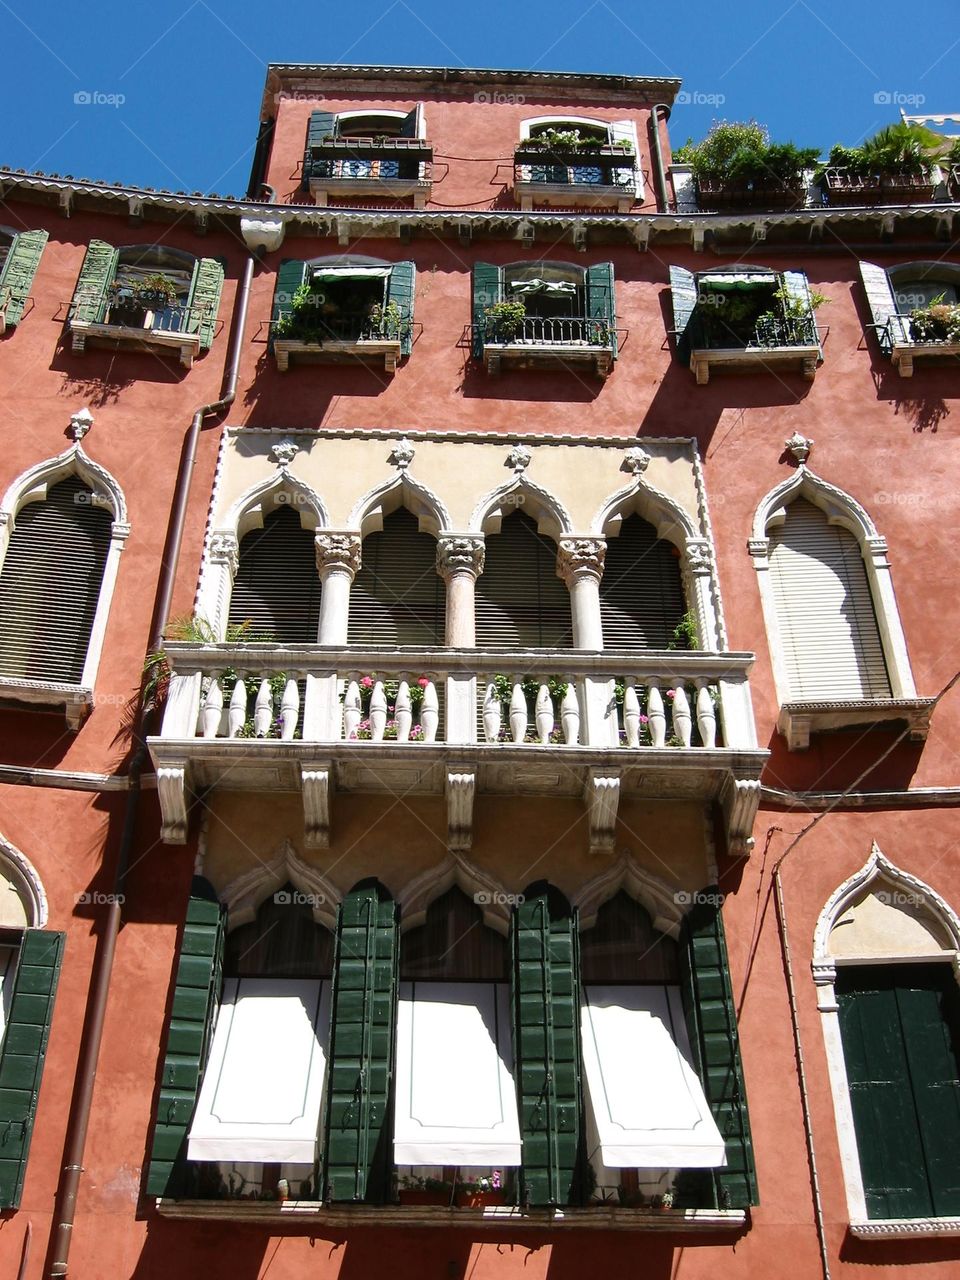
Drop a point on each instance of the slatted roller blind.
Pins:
(398, 596)
(277, 587)
(641, 594)
(50, 584)
(520, 601)
(828, 627)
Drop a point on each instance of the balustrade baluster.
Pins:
(403, 712)
(289, 709)
(631, 713)
(263, 708)
(378, 711)
(212, 707)
(706, 716)
(682, 721)
(570, 715)
(543, 714)
(352, 709)
(518, 712)
(237, 716)
(430, 712)
(492, 713)
(656, 717)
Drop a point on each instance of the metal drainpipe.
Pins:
(801, 1073)
(663, 199)
(66, 1202)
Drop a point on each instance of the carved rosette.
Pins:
(699, 556)
(402, 454)
(635, 461)
(518, 459)
(284, 453)
(338, 552)
(799, 446)
(579, 556)
(459, 554)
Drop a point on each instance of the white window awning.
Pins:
(350, 273)
(542, 286)
(735, 279)
(263, 1087)
(647, 1100)
(456, 1103)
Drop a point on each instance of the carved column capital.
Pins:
(224, 549)
(337, 552)
(458, 553)
(577, 557)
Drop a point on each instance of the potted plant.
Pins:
(892, 167)
(736, 165)
(938, 322)
(302, 323)
(385, 320)
(476, 1193)
(124, 307)
(414, 1190)
(155, 292)
(505, 320)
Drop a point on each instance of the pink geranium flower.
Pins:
(366, 682)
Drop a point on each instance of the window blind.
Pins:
(398, 596)
(641, 593)
(520, 601)
(277, 587)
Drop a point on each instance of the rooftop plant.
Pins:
(903, 147)
(742, 151)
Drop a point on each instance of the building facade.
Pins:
(534, 847)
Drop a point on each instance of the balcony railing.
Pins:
(379, 718)
(897, 337)
(844, 187)
(549, 331)
(603, 176)
(773, 340)
(319, 337)
(365, 166)
(539, 341)
(122, 321)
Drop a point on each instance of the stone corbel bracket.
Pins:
(740, 800)
(461, 787)
(601, 795)
(172, 779)
(317, 782)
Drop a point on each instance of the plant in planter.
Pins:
(790, 322)
(895, 162)
(302, 322)
(474, 1193)
(505, 320)
(155, 292)
(938, 322)
(415, 1190)
(554, 720)
(562, 140)
(363, 732)
(737, 164)
(385, 320)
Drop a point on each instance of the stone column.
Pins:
(460, 563)
(338, 560)
(580, 565)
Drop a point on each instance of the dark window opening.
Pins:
(520, 601)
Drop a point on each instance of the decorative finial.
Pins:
(635, 461)
(799, 446)
(284, 453)
(402, 454)
(80, 423)
(518, 458)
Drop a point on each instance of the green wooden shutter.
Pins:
(204, 303)
(290, 277)
(487, 289)
(601, 300)
(797, 288)
(712, 1023)
(410, 125)
(360, 1069)
(899, 1028)
(195, 999)
(880, 300)
(321, 125)
(23, 258)
(683, 293)
(401, 289)
(547, 1040)
(23, 1053)
(99, 267)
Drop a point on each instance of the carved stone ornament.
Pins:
(338, 551)
(284, 453)
(799, 446)
(460, 553)
(580, 555)
(80, 424)
(518, 459)
(224, 549)
(402, 454)
(699, 555)
(635, 461)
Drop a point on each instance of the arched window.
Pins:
(277, 587)
(520, 601)
(398, 597)
(254, 1133)
(830, 641)
(885, 957)
(641, 592)
(50, 584)
(457, 1123)
(645, 1111)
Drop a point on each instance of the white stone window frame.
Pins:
(824, 966)
(32, 486)
(797, 719)
(373, 114)
(20, 873)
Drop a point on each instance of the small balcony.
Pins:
(846, 187)
(332, 341)
(930, 338)
(391, 168)
(121, 321)
(776, 342)
(549, 342)
(729, 195)
(601, 176)
(458, 722)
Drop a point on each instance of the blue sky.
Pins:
(168, 94)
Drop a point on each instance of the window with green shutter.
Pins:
(900, 1027)
(601, 305)
(22, 1054)
(195, 996)
(547, 1045)
(712, 1024)
(487, 291)
(18, 266)
(360, 1070)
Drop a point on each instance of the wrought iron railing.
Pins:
(768, 332)
(321, 329)
(127, 313)
(549, 331)
(367, 159)
(592, 167)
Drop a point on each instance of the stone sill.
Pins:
(803, 358)
(905, 1228)
(597, 195)
(598, 1217)
(904, 354)
(797, 720)
(388, 188)
(76, 699)
(386, 349)
(546, 355)
(84, 332)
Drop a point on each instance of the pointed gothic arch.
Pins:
(661, 901)
(244, 895)
(400, 490)
(488, 893)
(552, 518)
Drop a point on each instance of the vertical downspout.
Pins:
(66, 1201)
(801, 1073)
(663, 197)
